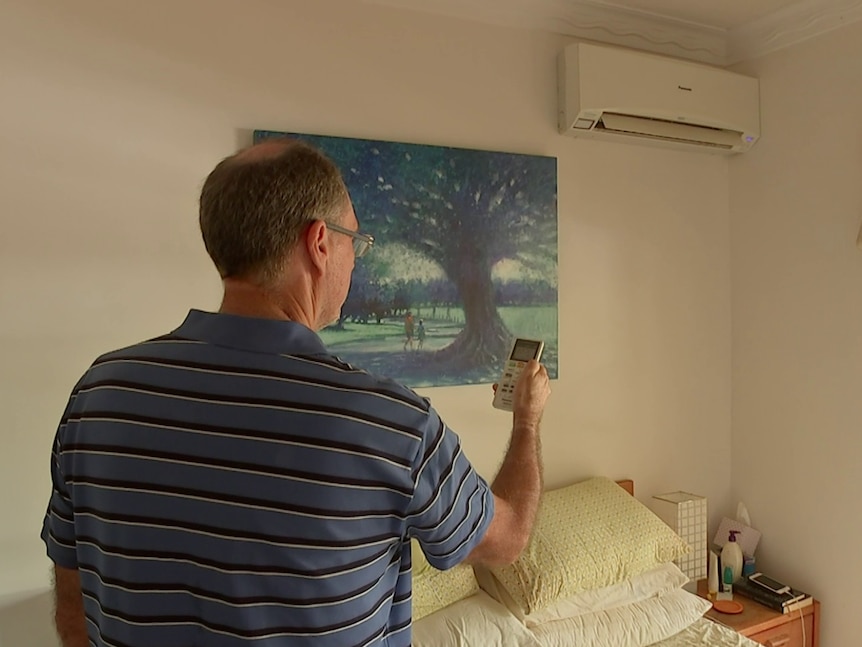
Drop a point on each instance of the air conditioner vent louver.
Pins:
(624, 95)
(671, 131)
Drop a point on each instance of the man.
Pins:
(234, 483)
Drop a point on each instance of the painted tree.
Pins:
(467, 210)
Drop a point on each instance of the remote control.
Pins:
(523, 350)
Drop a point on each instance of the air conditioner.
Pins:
(629, 96)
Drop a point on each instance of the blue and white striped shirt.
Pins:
(234, 483)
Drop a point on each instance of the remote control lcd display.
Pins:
(524, 350)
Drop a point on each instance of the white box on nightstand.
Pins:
(686, 514)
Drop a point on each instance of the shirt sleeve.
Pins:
(452, 505)
(58, 527)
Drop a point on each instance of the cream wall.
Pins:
(112, 115)
(796, 207)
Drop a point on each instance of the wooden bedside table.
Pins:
(769, 627)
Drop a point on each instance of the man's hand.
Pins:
(531, 394)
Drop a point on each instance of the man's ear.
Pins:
(317, 244)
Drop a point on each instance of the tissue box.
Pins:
(747, 538)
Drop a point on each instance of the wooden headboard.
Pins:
(628, 485)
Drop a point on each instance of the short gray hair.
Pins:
(255, 204)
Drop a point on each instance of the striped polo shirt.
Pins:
(234, 483)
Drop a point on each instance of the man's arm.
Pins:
(69, 608)
(518, 485)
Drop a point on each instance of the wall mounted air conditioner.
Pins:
(635, 97)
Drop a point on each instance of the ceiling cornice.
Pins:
(597, 21)
(636, 29)
(789, 26)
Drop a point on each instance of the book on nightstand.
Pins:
(783, 602)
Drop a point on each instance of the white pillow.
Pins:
(475, 621)
(662, 579)
(635, 625)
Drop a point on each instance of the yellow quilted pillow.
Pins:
(433, 590)
(588, 535)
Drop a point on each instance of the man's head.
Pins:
(256, 205)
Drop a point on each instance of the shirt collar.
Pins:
(251, 333)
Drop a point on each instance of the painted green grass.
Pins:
(380, 348)
(536, 322)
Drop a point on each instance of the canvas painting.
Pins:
(464, 259)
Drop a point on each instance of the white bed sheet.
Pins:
(703, 632)
(706, 632)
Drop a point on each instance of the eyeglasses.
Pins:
(361, 242)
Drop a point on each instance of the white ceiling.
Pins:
(724, 14)
(720, 32)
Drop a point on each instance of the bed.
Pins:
(598, 572)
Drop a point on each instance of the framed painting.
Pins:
(464, 259)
